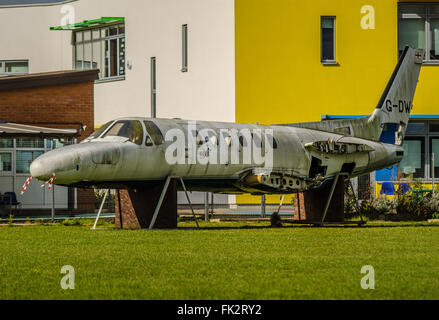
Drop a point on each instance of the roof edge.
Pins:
(7, 6)
(35, 80)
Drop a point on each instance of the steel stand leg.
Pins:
(159, 204)
(100, 209)
(331, 193)
(190, 203)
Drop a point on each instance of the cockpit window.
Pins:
(131, 129)
(98, 132)
(154, 132)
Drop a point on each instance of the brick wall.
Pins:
(62, 103)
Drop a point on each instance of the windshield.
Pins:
(98, 132)
(131, 129)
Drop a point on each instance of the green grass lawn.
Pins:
(221, 261)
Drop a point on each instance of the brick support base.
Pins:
(312, 204)
(138, 206)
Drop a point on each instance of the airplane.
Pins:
(134, 152)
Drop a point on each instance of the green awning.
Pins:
(89, 23)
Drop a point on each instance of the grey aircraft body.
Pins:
(134, 152)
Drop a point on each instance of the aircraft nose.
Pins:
(40, 170)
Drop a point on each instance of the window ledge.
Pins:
(430, 63)
(330, 63)
(104, 80)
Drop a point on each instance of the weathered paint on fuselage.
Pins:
(117, 162)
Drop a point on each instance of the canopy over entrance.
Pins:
(89, 23)
(23, 130)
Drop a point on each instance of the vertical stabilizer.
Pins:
(393, 110)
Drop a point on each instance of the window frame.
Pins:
(334, 60)
(3, 72)
(415, 16)
(184, 39)
(102, 39)
(153, 80)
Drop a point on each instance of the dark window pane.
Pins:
(6, 143)
(154, 132)
(5, 162)
(409, 8)
(415, 128)
(113, 57)
(328, 40)
(434, 126)
(434, 9)
(435, 149)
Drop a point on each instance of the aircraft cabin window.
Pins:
(101, 130)
(154, 133)
(131, 129)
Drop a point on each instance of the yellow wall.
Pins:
(279, 76)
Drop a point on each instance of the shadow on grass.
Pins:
(288, 225)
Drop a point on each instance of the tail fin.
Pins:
(393, 110)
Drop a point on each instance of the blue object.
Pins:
(403, 189)
(387, 188)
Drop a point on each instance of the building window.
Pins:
(24, 160)
(418, 27)
(413, 163)
(328, 39)
(14, 68)
(420, 143)
(434, 147)
(103, 49)
(5, 162)
(184, 67)
(6, 143)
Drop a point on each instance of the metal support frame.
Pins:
(331, 193)
(100, 209)
(159, 204)
(189, 200)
